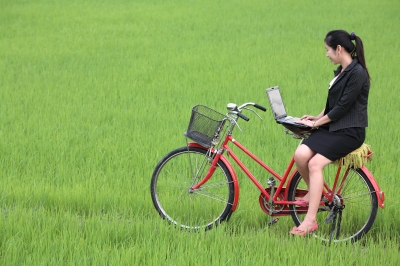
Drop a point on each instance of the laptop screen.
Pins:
(275, 99)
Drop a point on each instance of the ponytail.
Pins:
(359, 53)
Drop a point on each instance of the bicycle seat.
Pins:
(356, 158)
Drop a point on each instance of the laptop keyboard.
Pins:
(291, 119)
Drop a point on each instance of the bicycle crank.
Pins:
(271, 208)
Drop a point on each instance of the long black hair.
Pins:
(344, 39)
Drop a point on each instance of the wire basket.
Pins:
(205, 125)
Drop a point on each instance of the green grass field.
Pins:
(94, 93)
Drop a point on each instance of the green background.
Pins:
(94, 93)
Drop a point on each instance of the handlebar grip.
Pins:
(243, 116)
(260, 107)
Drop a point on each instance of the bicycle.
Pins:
(195, 187)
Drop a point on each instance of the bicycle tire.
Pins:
(170, 190)
(358, 197)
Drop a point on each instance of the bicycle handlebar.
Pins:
(243, 116)
(262, 108)
(237, 110)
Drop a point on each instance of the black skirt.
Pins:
(336, 144)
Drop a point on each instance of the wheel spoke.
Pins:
(211, 196)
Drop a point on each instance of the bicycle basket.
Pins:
(204, 125)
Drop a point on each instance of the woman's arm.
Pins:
(313, 118)
(321, 121)
(314, 121)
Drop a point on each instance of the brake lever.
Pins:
(252, 111)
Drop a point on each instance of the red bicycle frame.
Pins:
(328, 192)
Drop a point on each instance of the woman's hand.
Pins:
(314, 122)
(308, 117)
(307, 122)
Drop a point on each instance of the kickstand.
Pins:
(333, 227)
(338, 224)
(336, 218)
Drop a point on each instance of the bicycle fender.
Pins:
(289, 182)
(379, 194)
(231, 171)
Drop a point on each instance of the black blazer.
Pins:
(347, 100)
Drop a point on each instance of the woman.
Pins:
(340, 128)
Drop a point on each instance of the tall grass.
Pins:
(94, 93)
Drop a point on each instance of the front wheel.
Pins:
(173, 198)
(352, 212)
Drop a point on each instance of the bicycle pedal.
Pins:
(273, 221)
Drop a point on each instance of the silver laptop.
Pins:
(278, 109)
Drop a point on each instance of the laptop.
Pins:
(279, 111)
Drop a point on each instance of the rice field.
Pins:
(94, 93)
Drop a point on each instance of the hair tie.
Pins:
(353, 36)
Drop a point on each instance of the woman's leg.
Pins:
(302, 156)
(316, 184)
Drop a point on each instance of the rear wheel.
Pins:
(353, 210)
(173, 198)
